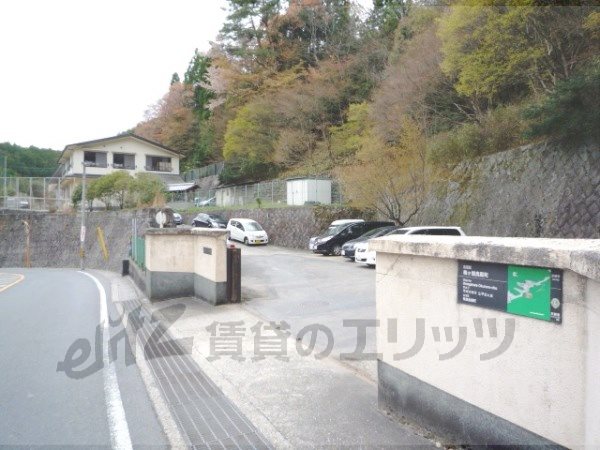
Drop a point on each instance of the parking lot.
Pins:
(303, 289)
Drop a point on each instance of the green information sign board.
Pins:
(529, 290)
(526, 291)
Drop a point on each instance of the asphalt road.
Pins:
(44, 313)
(303, 289)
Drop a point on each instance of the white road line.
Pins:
(8, 280)
(117, 422)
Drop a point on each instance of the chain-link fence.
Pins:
(264, 194)
(202, 172)
(33, 193)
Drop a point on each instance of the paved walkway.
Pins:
(204, 417)
(293, 400)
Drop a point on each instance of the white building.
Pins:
(128, 152)
(311, 190)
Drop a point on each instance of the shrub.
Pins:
(500, 129)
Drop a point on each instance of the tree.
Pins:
(27, 161)
(407, 84)
(386, 14)
(147, 189)
(175, 78)
(571, 110)
(389, 178)
(171, 121)
(251, 135)
(497, 53)
(115, 185)
(197, 76)
(245, 30)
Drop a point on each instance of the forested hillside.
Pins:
(27, 161)
(386, 98)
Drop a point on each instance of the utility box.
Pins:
(301, 191)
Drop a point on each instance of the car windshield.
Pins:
(397, 232)
(331, 231)
(252, 226)
(370, 233)
(381, 232)
(218, 219)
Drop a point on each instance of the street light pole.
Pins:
(82, 231)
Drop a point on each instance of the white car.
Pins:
(362, 253)
(247, 231)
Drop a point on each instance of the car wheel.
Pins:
(337, 250)
(245, 241)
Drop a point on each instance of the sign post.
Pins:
(82, 233)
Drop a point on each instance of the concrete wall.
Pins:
(55, 238)
(182, 262)
(287, 227)
(542, 390)
(542, 190)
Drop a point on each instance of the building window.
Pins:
(123, 161)
(94, 159)
(158, 164)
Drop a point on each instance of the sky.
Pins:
(73, 70)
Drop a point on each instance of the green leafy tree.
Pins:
(28, 161)
(77, 192)
(197, 76)
(115, 186)
(245, 30)
(250, 137)
(386, 14)
(175, 78)
(497, 52)
(571, 110)
(146, 189)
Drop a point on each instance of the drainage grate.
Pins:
(205, 416)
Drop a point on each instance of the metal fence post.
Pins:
(234, 275)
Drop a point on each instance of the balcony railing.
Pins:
(124, 166)
(95, 164)
(160, 167)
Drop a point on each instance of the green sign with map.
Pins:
(529, 290)
(534, 292)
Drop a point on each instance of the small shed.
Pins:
(230, 195)
(308, 190)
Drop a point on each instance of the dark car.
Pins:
(177, 218)
(348, 247)
(332, 241)
(204, 220)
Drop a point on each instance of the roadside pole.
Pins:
(5, 173)
(82, 232)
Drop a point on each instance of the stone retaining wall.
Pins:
(535, 191)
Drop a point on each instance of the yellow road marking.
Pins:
(10, 281)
